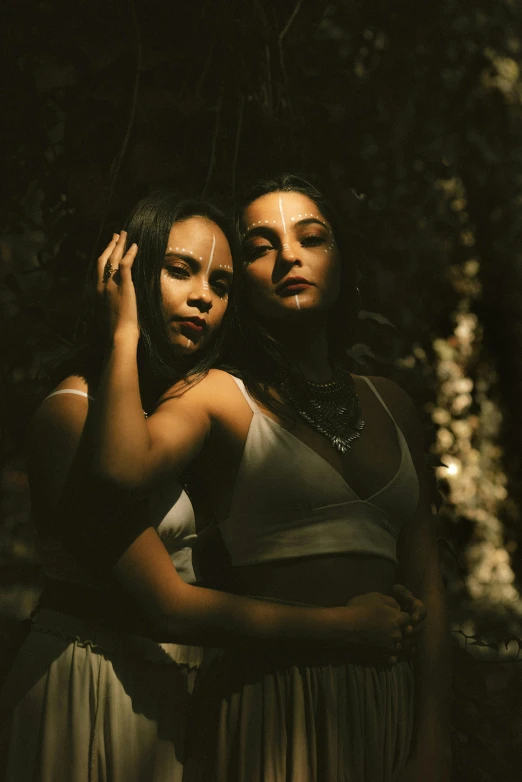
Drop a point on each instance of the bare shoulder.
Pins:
(400, 404)
(61, 414)
(211, 394)
(53, 441)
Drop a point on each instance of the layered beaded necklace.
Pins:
(331, 408)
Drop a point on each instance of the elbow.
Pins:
(122, 478)
(169, 625)
(171, 615)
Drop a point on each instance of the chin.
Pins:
(290, 309)
(185, 347)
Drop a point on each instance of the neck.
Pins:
(307, 349)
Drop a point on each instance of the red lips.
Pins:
(292, 285)
(193, 324)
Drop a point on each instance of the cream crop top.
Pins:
(169, 511)
(288, 502)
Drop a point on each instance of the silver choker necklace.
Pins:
(331, 408)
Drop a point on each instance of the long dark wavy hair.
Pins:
(149, 225)
(257, 354)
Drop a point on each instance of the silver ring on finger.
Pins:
(107, 271)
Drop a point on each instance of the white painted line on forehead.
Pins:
(211, 252)
(282, 214)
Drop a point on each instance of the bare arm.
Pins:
(132, 451)
(420, 571)
(182, 612)
(197, 615)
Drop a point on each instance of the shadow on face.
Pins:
(291, 261)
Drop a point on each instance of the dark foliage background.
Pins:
(415, 106)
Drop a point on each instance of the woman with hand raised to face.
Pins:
(93, 693)
(100, 688)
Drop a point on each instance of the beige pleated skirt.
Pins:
(84, 704)
(261, 719)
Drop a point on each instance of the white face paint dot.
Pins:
(182, 249)
(273, 222)
(200, 258)
(292, 218)
(266, 221)
(299, 215)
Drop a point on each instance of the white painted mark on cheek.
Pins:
(282, 215)
(297, 301)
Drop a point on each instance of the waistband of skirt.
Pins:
(116, 642)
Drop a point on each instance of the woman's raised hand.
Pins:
(115, 286)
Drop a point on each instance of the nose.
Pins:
(289, 253)
(200, 296)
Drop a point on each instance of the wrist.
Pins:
(126, 336)
(342, 623)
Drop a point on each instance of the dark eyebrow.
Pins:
(308, 220)
(196, 263)
(189, 258)
(222, 273)
(262, 230)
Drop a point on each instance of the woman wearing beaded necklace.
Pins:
(92, 688)
(330, 501)
(303, 518)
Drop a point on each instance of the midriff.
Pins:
(329, 580)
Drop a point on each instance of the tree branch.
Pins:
(290, 21)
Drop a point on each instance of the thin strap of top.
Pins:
(379, 397)
(70, 391)
(250, 402)
(255, 409)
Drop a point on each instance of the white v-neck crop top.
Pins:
(288, 502)
(169, 511)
